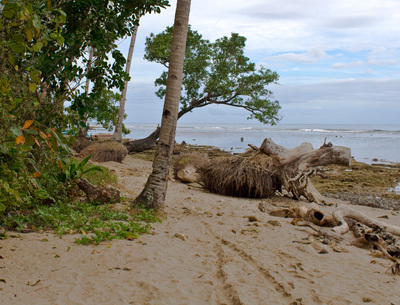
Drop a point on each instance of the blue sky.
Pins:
(338, 61)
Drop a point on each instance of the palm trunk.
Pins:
(118, 126)
(153, 194)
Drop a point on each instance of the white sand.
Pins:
(225, 259)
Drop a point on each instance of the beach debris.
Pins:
(143, 144)
(318, 247)
(106, 151)
(345, 211)
(291, 212)
(271, 168)
(251, 218)
(187, 167)
(99, 193)
(180, 236)
(263, 206)
(274, 223)
(319, 218)
(33, 284)
(394, 269)
(340, 249)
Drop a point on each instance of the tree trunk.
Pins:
(118, 126)
(98, 193)
(153, 194)
(143, 144)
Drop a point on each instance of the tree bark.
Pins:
(153, 194)
(118, 126)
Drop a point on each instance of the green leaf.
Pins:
(11, 59)
(16, 47)
(84, 162)
(41, 194)
(16, 131)
(2, 207)
(32, 87)
(60, 40)
(9, 11)
(36, 47)
(35, 75)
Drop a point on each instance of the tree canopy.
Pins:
(217, 73)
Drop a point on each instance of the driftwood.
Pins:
(343, 211)
(98, 193)
(263, 171)
(298, 164)
(143, 144)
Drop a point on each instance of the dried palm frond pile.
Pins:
(251, 175)
(106, 151)
(195, 160)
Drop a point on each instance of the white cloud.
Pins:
(310, 43)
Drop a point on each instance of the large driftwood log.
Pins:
(298, 164)
(143, 144)
(98, 193)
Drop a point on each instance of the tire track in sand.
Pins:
(240, 276)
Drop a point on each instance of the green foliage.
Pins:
(43, 48)
(217, 73)
(99, 107)
(74, 170)
(96, 223)
(30, 166)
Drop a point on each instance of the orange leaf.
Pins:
(27, 124)
(20, 139)
(37, 142)
(42, 135)
(36, 174)
(59, 165)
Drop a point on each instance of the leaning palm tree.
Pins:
(153, 194)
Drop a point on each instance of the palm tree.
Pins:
(153, 194)
(118, 126)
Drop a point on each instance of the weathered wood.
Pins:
(98, 193)
(298, 164)
(143, 144)
(344, 211)
(269, 147)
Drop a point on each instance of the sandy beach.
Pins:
(205, 251)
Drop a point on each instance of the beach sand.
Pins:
(205, 251)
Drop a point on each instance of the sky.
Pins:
(338, 61)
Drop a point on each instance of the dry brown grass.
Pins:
(248, 175)
(194, 159)
(106, 151)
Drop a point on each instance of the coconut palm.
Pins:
(153, 194)
(121, 113)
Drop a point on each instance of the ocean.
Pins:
(368, 143)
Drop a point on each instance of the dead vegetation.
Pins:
(188, 161)
(249, 175)
(105, 151)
